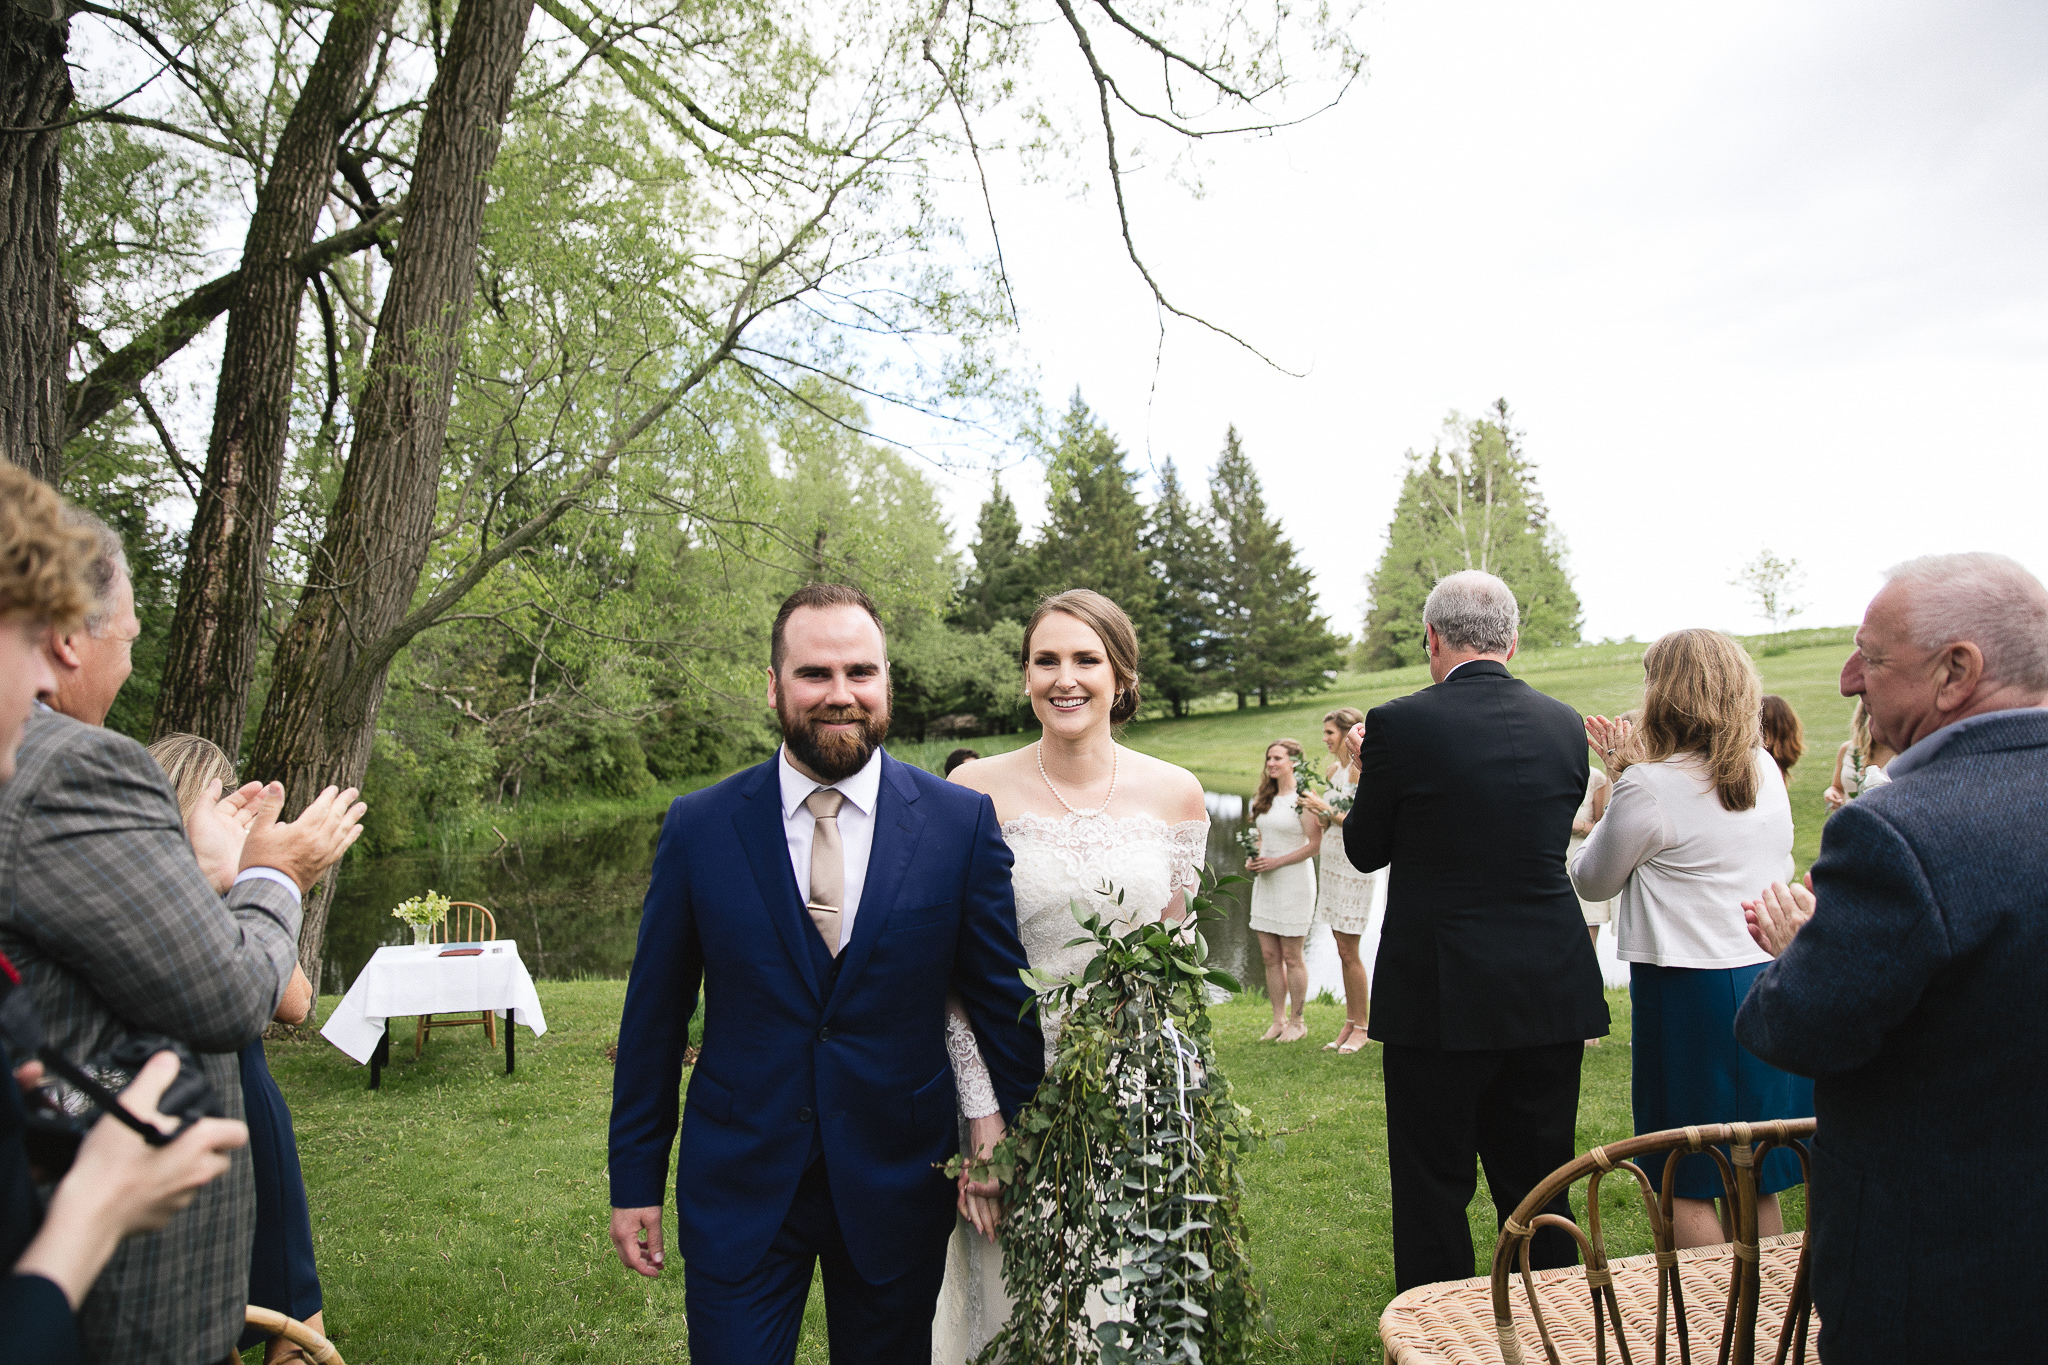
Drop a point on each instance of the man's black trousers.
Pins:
(1514, 1110)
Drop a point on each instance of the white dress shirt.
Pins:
(856, 829)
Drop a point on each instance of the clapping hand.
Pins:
(218, 827)
(1606, 736)
(1776, 916)
(309, 845)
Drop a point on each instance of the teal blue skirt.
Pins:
(1686, 1068)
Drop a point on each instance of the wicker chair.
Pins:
(275, 1324)
(465, 922)
(1734, 1304)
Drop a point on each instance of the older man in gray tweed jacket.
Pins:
(118, 930)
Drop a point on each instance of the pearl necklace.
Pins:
(1039, 749)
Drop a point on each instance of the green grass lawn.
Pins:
(460, 1215)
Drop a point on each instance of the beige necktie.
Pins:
(828, 865)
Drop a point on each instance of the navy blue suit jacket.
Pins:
(791, 1057)
(1917, 999)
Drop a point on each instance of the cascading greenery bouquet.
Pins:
(1122, 1239)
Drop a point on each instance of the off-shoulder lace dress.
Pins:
(1071, 859)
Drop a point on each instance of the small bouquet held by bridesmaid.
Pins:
(1248, 841)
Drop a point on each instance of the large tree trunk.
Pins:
(211, 653)
(328, 676)
(35, 313)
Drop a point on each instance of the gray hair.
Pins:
(1473, 610)
(1986, 600)
(109, 567)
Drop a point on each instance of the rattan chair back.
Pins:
(1747, 1144)
(274, 1324)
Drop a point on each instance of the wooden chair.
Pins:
(275, 1324)
(465, 922)
(1734, 1304)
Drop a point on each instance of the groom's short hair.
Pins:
(1473, 610)
(820, 595)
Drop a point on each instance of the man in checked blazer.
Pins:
(118, 929)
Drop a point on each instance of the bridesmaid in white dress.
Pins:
(1284, 889)
(1346, 898)
(1085, 818)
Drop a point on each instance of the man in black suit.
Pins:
(1486, 987)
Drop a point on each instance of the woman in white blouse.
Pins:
(1697, 818)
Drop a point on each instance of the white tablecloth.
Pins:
(409, 979)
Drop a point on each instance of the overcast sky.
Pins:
(1750, 275)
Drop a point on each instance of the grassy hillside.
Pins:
(1224, 748)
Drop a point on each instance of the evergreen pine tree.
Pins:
(1184, 559)
(999, 586)
(1269, 640)
(1471, 503)
(1094, 534)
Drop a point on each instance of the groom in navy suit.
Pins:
(826, 901)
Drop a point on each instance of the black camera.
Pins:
(73, 1097)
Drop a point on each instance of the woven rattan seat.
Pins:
(1452, 1323)
(1742, 1302)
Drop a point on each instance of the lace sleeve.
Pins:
(1190, 844)
(970, 1074)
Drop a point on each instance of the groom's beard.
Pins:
(832, 754)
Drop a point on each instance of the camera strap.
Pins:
(107, 1100)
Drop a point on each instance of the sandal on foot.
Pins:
(1357, 1041)
(1337, 1044)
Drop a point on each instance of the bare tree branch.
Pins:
(1104, 87)
(114, 380)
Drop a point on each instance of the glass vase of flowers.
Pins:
(422, 913)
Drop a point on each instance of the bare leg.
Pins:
(1770, 1219)
(1698, 1223)
(1357, 1005)
(1276, 983)
(1297, 987)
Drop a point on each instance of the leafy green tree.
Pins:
(999, 587)
(938, 671)
(1269, 641)
(1471, 503)
(1184, 556)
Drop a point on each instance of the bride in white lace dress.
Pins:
(1085, 819)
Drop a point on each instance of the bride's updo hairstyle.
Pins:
(1702, 696)
(1119, 641)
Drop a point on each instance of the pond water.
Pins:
(572, 901)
